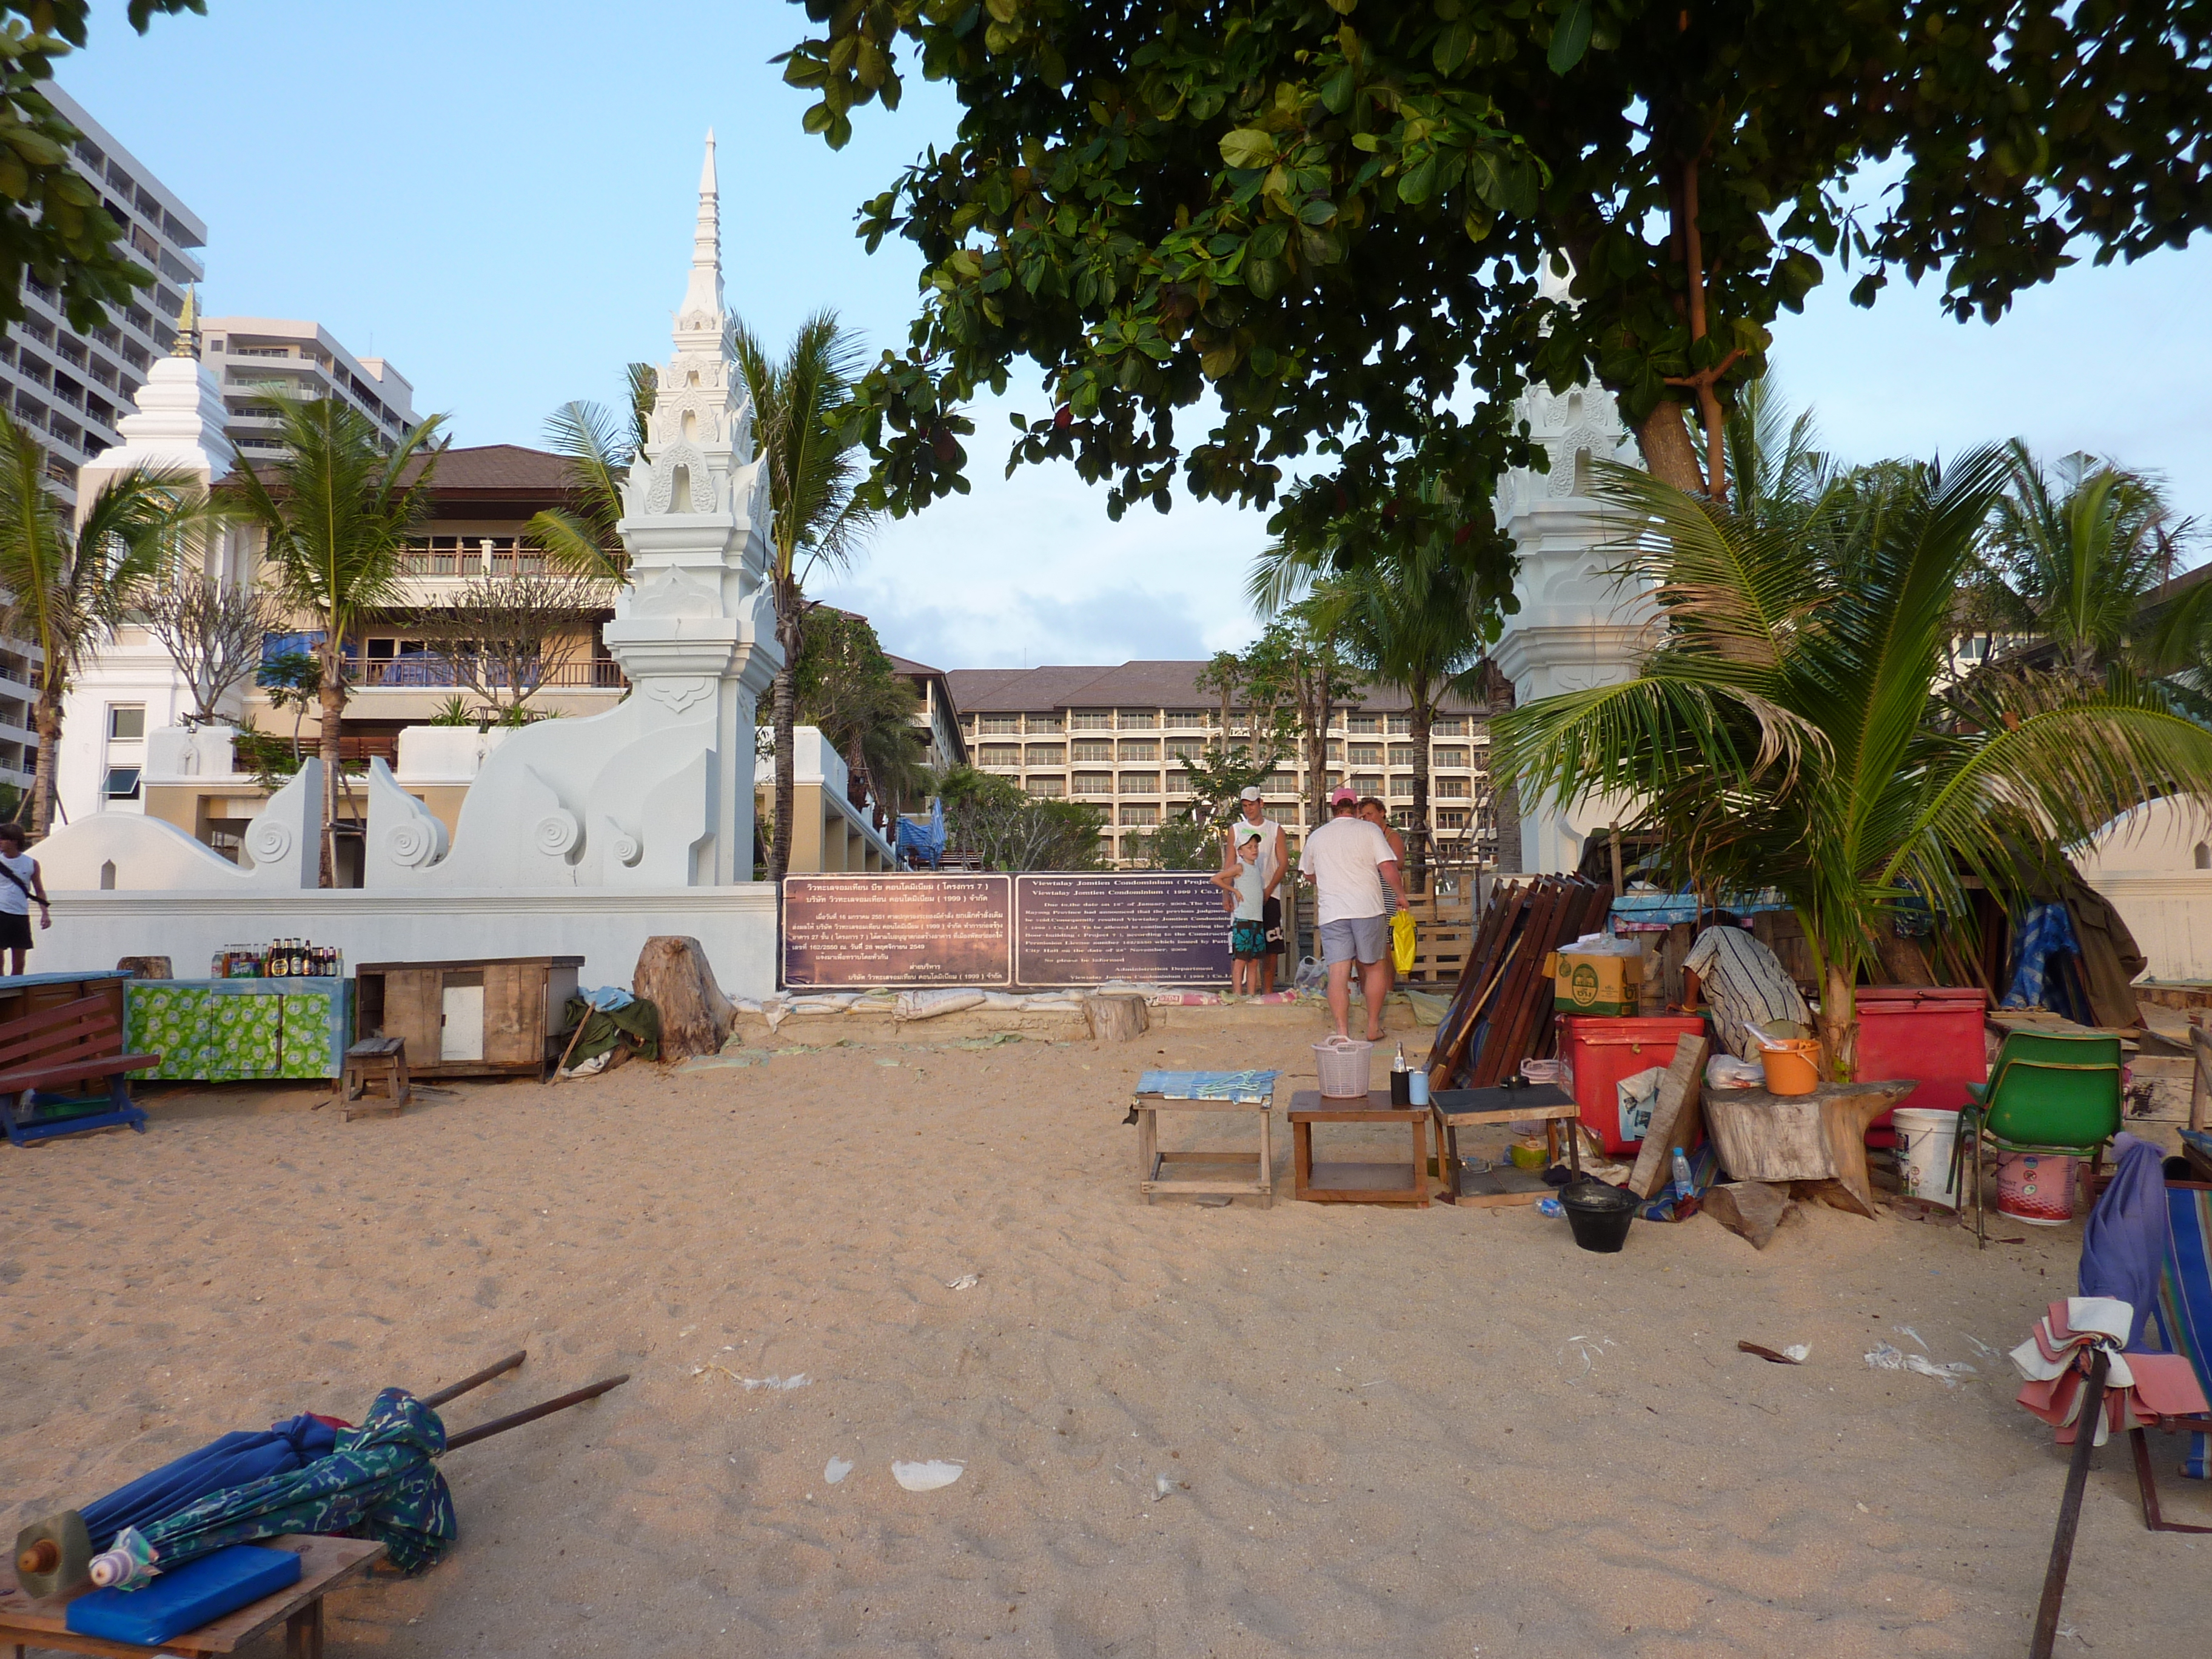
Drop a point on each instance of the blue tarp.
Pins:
(925, 841)
(1635, 911)
(233, 1461)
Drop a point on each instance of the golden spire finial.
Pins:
(188, 326)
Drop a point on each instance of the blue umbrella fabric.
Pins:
(236, 1460)
(379, 1482)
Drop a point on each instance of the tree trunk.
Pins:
(46, 716)
(673, 975)
(1839, 1018)
(333, 699)
(1670, 453)
(1902, 959)
(790, 634)
(1116, 1018)
(1417, 841)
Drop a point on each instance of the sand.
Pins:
(1408, 1432)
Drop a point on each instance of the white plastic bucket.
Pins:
(1342, 1065)
(1925, 1139)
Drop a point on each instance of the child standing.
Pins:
(1243, 884)
(20, 884)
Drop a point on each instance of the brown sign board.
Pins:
(901, 929)
(1163, 928)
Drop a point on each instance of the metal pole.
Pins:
(531, 1413)
(456, 1390)
(2069, 1508)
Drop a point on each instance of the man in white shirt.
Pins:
(1342, 858)
(1275, 867)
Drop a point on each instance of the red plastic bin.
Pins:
(1596, 1054)
(1931, 1033)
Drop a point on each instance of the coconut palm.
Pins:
(70, 578)
(1792, 729)
(849, 690)
(334, 515)
(819, 518)
(599, 450)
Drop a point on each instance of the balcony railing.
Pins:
(427, 669)
(475, 557)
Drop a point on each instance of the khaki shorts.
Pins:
(1363, 939)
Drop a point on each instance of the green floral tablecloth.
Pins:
(223, 1030)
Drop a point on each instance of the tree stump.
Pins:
(1118, 1017)
(1751, 1209)
(673, 975)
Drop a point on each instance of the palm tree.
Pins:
(582, 538)
(1792, 730)
(68, 585)
(334, 515)
(848, 689)
(819, 518)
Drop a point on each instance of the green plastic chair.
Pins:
(2049, 1093)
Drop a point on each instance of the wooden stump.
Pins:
(144, 966)
(1675, 1119)
(673, 975)
(1819, 1137)
(1751, 1209)
(1118, 1017)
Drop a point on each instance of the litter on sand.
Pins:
(836, 1470)
(965, 1282)
(927, 1477)
(1887, 1358)
(1796, 1354)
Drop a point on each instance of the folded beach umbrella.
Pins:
(379, 1482)
(236, 1460)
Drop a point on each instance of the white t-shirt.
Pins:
(13, 901)
(1342, 856)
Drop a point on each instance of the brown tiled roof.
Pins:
(504, 468)
(908, 665)
(1154, 684)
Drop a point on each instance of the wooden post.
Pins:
(2200, 1088)
(2069, 1508)
(1620, 886)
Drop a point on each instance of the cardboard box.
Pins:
(1583, 983)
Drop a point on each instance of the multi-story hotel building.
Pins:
(257, 360)
(1117, 739)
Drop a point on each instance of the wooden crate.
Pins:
(486, 1018)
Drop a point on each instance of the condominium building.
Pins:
(257, 360)
(1118, 738)
(71, 387)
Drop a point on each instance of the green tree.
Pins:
(1326, 219)
(992, 819)
(1298, 663)
(1178, 844)
(1794, 729)
(53, 225)
(800, 406)
(334, 513)
(70, 578)
(599, 450)
(848, 690)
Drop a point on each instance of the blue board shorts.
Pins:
(1362, 938)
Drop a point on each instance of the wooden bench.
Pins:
(381, 1061)
(77, 1040)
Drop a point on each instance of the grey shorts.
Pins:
(1366, 939)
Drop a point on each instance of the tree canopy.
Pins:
(1324, 223)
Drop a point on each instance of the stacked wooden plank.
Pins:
(1501, 1013)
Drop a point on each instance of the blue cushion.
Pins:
(196, 1594)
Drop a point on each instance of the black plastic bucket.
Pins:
(1599, 1215)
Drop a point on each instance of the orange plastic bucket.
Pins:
(1793, 1066)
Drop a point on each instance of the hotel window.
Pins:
(1402, 786)
(1401, 754)
(1186, 749)
(1002, 722)
(1140, 751)
(122, 783)
(1141, 783)
(1368, 783)
(1358, 724)
(1452, 788)
(1048, 754)
(1140, 719)
(1051, 788)
(1366, 754)
(1091, 750)
(126, 721)
(1142, 816)
(1093, 783)
(1400, 725)
(1187, 719)
(1282, 783)
(998, 754)
(1046, 722)
(1335, 750)
(1281, 814)
(1090, 721)
(1451, 818)
(1452, 756)
(1449, 725)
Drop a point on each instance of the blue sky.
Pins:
(496, 195)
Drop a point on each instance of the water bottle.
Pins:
(1684, 1186)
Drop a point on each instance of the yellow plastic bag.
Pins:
(1401, 940)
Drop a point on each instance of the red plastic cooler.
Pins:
(1596, 1054)
(1932, 1034)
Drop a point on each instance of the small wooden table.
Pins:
(1357, 1183)
(1153, 1165)
(381, 1061)
(325, 1564)
(1455, 1109)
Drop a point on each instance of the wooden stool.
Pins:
(1398, 1182)
(375, 1060)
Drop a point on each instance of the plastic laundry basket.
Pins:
(1341, 1063)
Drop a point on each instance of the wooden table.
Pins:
(1455, 1109)
(1364, 1182)
(325, 1564)
(1152, 1164)
(1818, 1137)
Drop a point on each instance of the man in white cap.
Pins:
(1275, 866)
(1342, 858)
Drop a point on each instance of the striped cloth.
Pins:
(2185, 1301)
(1743, 981)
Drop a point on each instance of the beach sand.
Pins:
(1441, 1431)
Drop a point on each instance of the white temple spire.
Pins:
(703, 298)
